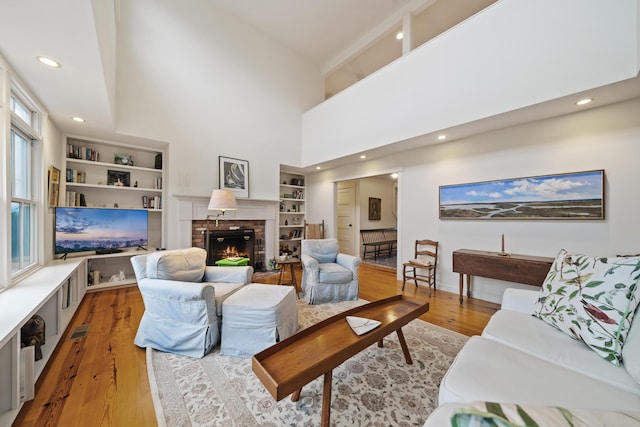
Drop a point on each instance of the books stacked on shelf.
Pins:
(157, 184)
(73, 198)
(298, 194)
(152, 202)
(94, 278)
(81, 153)
(295, 234)
(74, 175)
(156, 202)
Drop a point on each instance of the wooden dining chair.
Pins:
(422, 268)
(313, 231)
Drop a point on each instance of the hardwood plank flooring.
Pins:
(101, 379)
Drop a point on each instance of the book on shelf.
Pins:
(74, 175)
(27, 373)
(81, 153)
(73, 198)
(66, 295)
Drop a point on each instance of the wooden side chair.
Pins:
(313, 231)
(422, 268)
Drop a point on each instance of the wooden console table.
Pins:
(526, 269)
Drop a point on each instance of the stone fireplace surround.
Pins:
(260, 215)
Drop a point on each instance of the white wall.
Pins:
(511, 55)
(603, 138)
(380, 187)
(198, 77)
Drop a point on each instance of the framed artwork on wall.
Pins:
(375, 206)
(234, 176)
(118, 178)
(576, 195)
(54, 186)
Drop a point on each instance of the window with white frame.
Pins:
(25, 194)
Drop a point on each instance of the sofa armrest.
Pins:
(311, 268)
(228, 274)
(309, 262)
(175, 302)
(349, 261)
(175, 290)
(522, 300)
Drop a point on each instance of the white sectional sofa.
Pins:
(522, 359)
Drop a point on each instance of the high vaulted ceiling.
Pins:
(321, 29)
(82, 36)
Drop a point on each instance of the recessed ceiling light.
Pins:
(363, 156)
(318, 167)
(48, 62)
(399, 36)
(78, 119)
(584, 101)
(442, 137)
(394, 175)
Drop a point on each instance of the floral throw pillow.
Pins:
(593, 299)
(488, 414)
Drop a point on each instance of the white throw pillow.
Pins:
(592, 299)
(185, 265)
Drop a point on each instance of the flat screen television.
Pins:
(102, 230)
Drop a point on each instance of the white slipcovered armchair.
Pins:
(327, 275)
(183, 300)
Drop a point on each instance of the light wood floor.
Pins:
(101, 379)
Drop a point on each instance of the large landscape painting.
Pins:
(578, 195)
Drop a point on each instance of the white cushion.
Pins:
(186, 265)
(334, 273)
(533, 336)
(631, 350)
(485, 370)
(224, 291)
(592, 299)
(323, 250)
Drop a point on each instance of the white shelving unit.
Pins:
(54, 293)
(291, 213)
(91, 170)
(106, 266)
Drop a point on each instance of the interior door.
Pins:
(346, 221)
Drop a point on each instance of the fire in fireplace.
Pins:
(225, 244)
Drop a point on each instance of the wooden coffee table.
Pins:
(289, 365)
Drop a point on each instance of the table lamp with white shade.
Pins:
(221, 200)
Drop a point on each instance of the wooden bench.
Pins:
(379, 240)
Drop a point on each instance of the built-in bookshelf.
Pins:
(291, 213)
(110, 271)
(116, 175)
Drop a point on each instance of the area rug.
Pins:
(383, 261)
(374, 388)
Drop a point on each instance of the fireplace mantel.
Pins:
(192, 208)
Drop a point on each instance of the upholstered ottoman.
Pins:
(256, 317)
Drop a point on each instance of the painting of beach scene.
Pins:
(578, 195)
